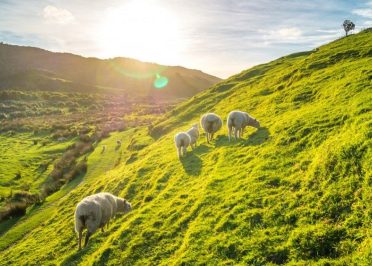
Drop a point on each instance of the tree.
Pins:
(348, 26)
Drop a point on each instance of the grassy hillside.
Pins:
(297, 191)
(36, 69)
(24, 164)
(46, 135)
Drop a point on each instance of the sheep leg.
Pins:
(212, 136)
(108, 223)
(236, 133)
(179, 152)
(87, 238)
(207, 135)
(80, 237)
(229, 129)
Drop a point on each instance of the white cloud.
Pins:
(367, 12)
(328, 31)
(53, 14)
(281, 35)
(289, 33)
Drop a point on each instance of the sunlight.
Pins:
(147, 32)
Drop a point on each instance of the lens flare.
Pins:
(160, 81)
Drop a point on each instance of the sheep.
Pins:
(95, 211)
(193, 132)
(237, 121)
(211, 123)
(182, 141)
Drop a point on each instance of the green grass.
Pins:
(298, 191)
(33, 162)
(98, 163)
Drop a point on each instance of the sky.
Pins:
(220, 37)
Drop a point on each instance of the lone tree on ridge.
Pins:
(348, 26)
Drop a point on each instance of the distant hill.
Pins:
(28, 68)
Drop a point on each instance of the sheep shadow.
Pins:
(201, 149)
(76, 256)
(221, 140)
(257, 138)
(191, 163)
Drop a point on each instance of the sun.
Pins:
(147, 32)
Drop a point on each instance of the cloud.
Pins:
(364, 12)
(283, 35)
(56, 15)
(289, 33)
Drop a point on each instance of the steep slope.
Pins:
(296, 191)
(37, 69)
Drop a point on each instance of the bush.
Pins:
(17, 203)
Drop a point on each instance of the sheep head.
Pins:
(255, 123)
(124, 205)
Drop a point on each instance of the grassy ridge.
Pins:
(296, 191)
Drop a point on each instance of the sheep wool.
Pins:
(95, 211)
(210, 123)
(237, 121)
(193, 132)
(182, 140)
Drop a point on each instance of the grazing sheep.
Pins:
(211, 123)
(237, 121)
(193, 132)
(95, 212)
(182, 141)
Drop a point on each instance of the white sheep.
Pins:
(211, 123)
(182, 141)
(237, 121)
(193, 132)
(95, 212)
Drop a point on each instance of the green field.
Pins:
(33, 162)
(297, 191)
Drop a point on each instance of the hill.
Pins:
(298, 191)
(37, 69)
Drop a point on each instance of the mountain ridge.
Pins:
(124, 75)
